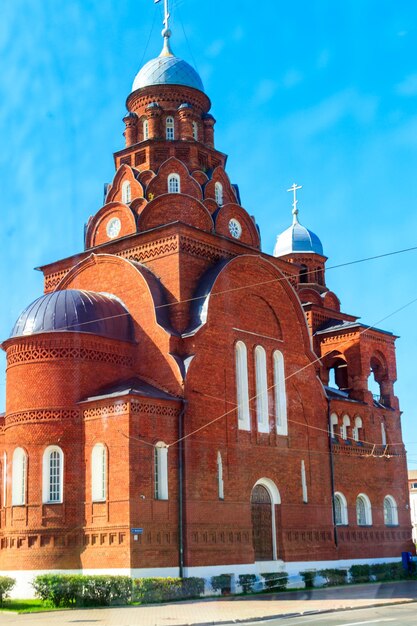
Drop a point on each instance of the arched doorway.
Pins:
(262, 523)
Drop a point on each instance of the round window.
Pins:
(235, 228)
(113, 227)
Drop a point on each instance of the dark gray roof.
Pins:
(78, 311)
(337, 394)
(199, 304)
(132, 386)
(333, 325)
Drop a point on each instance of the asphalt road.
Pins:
(399, 615)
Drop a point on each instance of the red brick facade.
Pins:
(193, 290)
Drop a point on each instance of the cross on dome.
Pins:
(294, 188)
(166, 33)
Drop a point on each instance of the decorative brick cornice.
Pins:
(41, 415)
(109, 410)
(134, 407)
(46, 351)
(204, 250)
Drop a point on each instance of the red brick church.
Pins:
(181, 402)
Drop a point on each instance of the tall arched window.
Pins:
(383, 434)
(334, 422)
(218, 193)
(220, 484)
(340, 509)
(170, 135)
(280, 394)
(363, 510)
(356, 432)
(174, 183)
(390, 511)
(5, 479)
(195, 131)
(242, 388)
(262, 410)
(304, 274)
(161, 471)
(344, 429)
(145, 130)
(304, 482)
(126, 192)
(53, 475)
(19, 474)
(99, 473)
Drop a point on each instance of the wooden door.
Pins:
(261, 508)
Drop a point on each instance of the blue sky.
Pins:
(322, 93)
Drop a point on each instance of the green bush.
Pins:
(275, 581)
(308, 577)
(163, 589)
(360, 573)
(334, 576)
(388, 571)
(222, 582)
(6, 585)
(61, 590)
(247, 581)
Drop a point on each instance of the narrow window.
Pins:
(126, 192)
(390, 511)
(174, 184)
(356, 432)
(170, 128)
(242, 388)
(195, 131)
(53, 475)
(340, 509)
(218, 193)
(262, 410)
(19, 473)
(280, 394)
(220, 476)
(334, 422)
(383, 434)
(304, 482)
(363, 510)
(99, 473)
(145, 130)
(4, 479)
(344, 432)
(161, 471)
(304, 274)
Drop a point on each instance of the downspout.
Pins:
(181, 491)
(336, 542)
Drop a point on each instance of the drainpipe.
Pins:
(336, 542)
(181, 491)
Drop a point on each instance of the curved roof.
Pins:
(167, 69)
(73, 310)
(297, 239)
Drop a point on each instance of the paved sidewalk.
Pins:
(216, 611)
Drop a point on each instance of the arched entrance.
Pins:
(261, 510)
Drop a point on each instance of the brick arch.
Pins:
(310, 295)
(96, 230)
(175, 207)
(125, 172)
(158, 185)
(331, 301)
(250, 234)
(219, 175)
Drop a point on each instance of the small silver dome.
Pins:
(297, 239)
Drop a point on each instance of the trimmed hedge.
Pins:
(148, 590)
(275, 581)
(334, 576)
(247, 582)
(60, 590)
(308, 577)
(6, 585)
(222, 582)
(360, 573)
(388, 571)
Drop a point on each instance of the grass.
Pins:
(25, 606)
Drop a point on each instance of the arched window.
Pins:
(19, 474)
(334, 422)
(383, 434)
(280, 394)
(390, 511)
(53, 475)
(340, 509)
(356, 432)
(304, 482)
(5, 479)
(262, 410)
(218, 193)
(174, 183)
(344, 429)
(242, 388)
(99, 473)
(126, 192)
(170, 135)
(304, 274)
(145, 130)
(195, 131)
(161, 471)
(363, 510)
(220, 484)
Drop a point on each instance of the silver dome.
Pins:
(297, 239)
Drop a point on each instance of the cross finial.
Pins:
(294, 188)
(166, 33)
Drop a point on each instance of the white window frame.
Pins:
(174, 183)
(126, 192)
(145, 128)
(334, 423)
(99, 473)
(218, 193)
(220, 482)
(195, 131)
(242, 386)
(344, 427)
(393, 512)
(383, 434)
(357, 427)
(367, 510)
(46, 476)
(170, 128)
(261, 377)
(339, 499)
(19, 477)
(161, 471)
(304, 482)
(280, 394)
